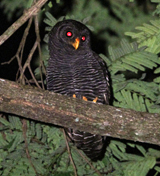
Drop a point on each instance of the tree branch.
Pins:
(48, 107)
(28, 14)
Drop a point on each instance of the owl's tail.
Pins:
(92, 145)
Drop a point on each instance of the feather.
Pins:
(80, 72)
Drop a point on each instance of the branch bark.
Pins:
(48, 107)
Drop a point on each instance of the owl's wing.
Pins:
(103, 66)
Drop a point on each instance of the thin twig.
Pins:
(21, 45)
(35, 81)
(8, 62)
(24, 128)
(27, 63)
(39, 48)
(19, 54)
(17, 24)
(70, 155)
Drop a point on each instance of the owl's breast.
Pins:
(81, 76)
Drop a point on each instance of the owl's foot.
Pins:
(74, 96)
(85, 99)
(95, 100)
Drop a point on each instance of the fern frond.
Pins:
(130, 164)
(149, 36)
(16, 123)
(141, 167)
(146, 89)
(157, 79)
(141, 149)
(106, 59)
(146, 31)
(126, 99)
(157, 11)
(129, 58)
(50, 20)
(157, 168)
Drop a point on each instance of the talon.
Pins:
(74, 96)
(84, 98)
(95, 100)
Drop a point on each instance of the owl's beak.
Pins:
(75, 44)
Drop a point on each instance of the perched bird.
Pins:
(77, 71)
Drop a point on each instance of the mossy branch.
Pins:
(48, 107)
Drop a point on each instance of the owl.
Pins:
(77, 71)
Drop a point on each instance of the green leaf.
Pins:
(157, 168)
(5, 122)
(50, 20)
(141, 149)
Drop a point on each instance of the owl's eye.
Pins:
(69, 34)
(83, 38)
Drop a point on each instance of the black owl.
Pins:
(75, 70)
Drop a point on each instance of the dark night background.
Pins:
(104, 34)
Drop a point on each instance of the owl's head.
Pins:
(69, 35)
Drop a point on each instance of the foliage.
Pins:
(10, 7)
(46, 150)
(134, 71)
(108, 19)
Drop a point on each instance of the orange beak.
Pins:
(75, 44)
